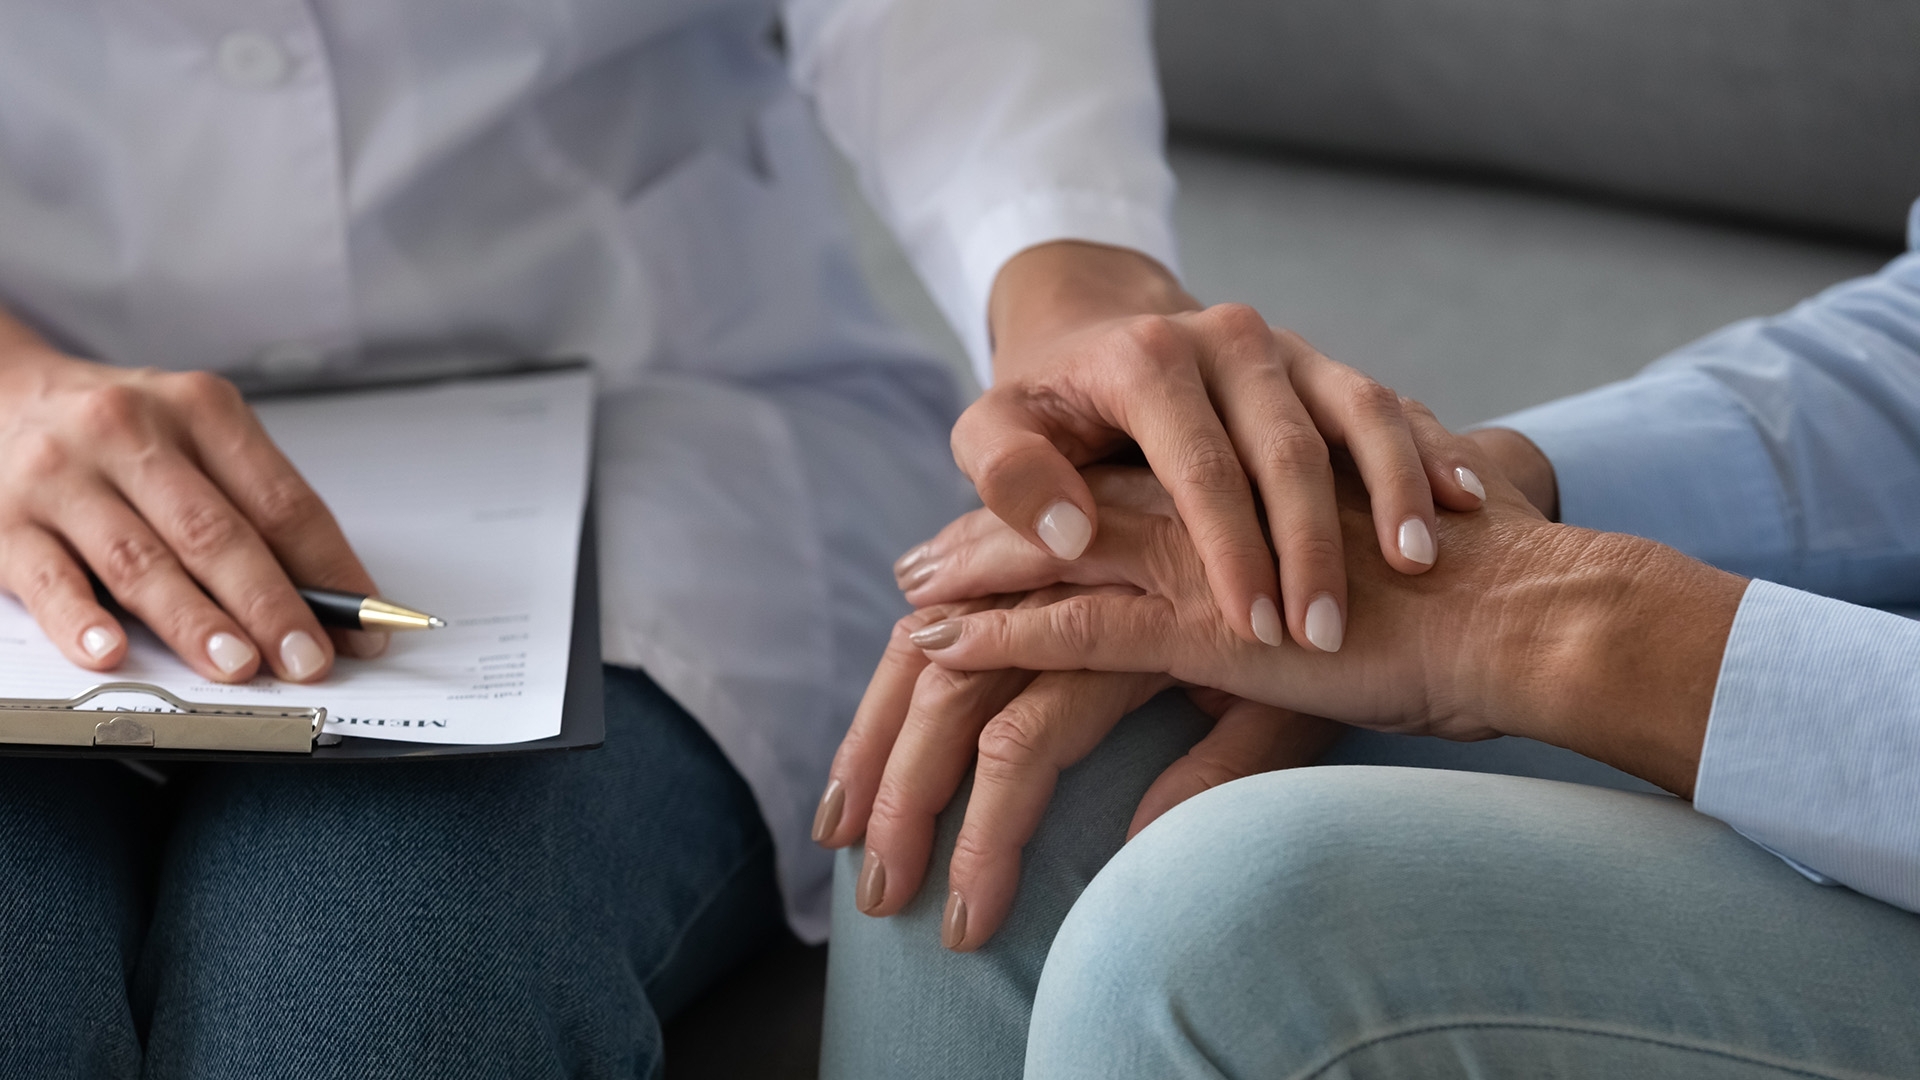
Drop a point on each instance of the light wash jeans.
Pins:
(1386, 922)
(516, 917)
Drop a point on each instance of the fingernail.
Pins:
(911, 559)
(1471, 481)
(953, 924)
(873, 884)
(1325, 628)
(1416, 543)
(1266, 620)
(229, 653)
(1065, 530)
(368, 644)
(938, 636)
(919, 576)
(826, 819)
(98, 641)
(300, 656)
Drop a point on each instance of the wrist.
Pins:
(1053, 288)
(1610, 646)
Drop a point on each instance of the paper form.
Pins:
(464, 500)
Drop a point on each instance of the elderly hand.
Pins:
(1096, 346)
(168, 489)
(1606, 644)
(920, 728)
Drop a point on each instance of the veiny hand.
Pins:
(166, 487)
(1096, 347)
(920, 728)
(1608, 645)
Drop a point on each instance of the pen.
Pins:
(352, 611)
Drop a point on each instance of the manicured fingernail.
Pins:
(919, 576)
(873, 884)
(368, 644)
(1471, 481)
(905, 564)
(953, 924)
(938, 636)
(1416, 543)
(229, 653)
(98, 641)
(1266, 620)
(826, 819)
(300, 656)
(1325, 628)
(1065, 530)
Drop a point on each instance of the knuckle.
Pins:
(40, 585)
(1417, 408)
(1297, 448)
(1073, 620)
(940, 688)
(111, 411)
(131, 560)
(1372, 398)
(285, 505)
(1012, 741)
(1156, 337)
(973, 848)
(202, 531)
(1240, 320)
(39, 456)
(1210, 466)
(257, 607)
(204, 391)
(1306, 546)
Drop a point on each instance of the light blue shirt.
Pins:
(1787, 449)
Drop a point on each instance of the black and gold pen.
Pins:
(352, 611)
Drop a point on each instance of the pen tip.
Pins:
(436, 623)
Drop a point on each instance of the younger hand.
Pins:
(167, 488)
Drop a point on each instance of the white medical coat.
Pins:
(285, 185)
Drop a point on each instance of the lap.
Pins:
(1393, 922)
(516, 916)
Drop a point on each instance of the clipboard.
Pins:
(187, 731)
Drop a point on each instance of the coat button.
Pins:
(252, 61)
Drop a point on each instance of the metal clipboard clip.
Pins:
(191, 726)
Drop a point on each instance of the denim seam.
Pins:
(672, 953)
(1428, 1028)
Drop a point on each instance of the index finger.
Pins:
(240, 457)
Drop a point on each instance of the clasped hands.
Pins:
(1017, 663)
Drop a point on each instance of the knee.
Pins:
(1291, 911)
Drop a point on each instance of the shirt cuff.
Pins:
(1813, 743)
(1667, 455)
(1012, 227)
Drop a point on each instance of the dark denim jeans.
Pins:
(514, 917)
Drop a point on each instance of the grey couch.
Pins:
(1485, 204)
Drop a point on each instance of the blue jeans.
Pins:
(1381, 922)
(513, 917)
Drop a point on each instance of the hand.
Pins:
(1608, 645)
(920, 728)
(167, 488)
(1095, 346)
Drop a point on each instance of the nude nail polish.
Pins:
(905, 564)
(938, 636)
(1266, 620)
(1325, 627)
(300, 656)
(229, 653)
(872, 887)
(1471, 481)
(919, 576)
(953, 922)
(1416, 542)
(826, 818)
(1064, 528)
(98, 641)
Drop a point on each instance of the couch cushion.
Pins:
(1804, 111)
